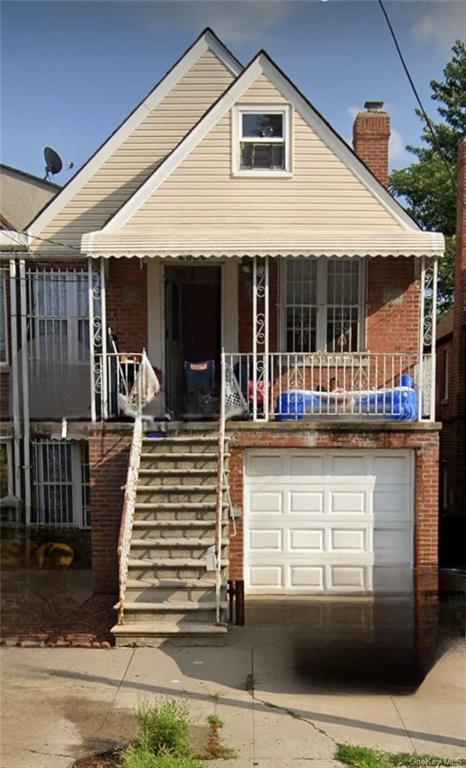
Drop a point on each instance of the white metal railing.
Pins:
(127, 517)
(116, 376)
(330, 385)
(220, 486)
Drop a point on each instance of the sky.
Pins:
(72, 71)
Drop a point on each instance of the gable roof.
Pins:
(262, 64)
(207, 41)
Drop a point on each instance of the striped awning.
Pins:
(204, 243)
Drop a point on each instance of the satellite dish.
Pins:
(53, 162)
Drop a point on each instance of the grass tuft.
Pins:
(140, 757)
(364, 757)
(163, 728)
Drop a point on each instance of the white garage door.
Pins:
(328, 521)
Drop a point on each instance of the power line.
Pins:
(418, 98)
(42, 239)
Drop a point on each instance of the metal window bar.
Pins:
(60, 484)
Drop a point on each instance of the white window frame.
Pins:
(276, 109)
(75, 480)
(6, 362)
(40, 284)
(446, 376)
(322, 306)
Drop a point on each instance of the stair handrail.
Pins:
(127, 516)
(220, 484)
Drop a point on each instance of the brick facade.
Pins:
(127, 303)
(108, 465)
(424, 443)
(392, 306)
(371, 134)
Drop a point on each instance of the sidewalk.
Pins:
(61, 704)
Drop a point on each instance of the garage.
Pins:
(332, 522)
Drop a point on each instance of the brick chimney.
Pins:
(371, 134)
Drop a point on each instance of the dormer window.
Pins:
(262, 140)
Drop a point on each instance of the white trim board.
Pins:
(261, 65)
(207, 41)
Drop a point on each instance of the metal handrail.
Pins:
(127, 516)
(220, 484)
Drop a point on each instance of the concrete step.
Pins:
(168, 477)
(168, 590)
(175, 529)
(181, 444)
(161, 510)
(189, 612)
(191, 549)
(165, 568)
(153, 634)
(193, 460)
(180, 496)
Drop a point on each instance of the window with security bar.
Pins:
(324, 305)
(59, 315)
(60, 496)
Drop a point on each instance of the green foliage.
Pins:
(428, 185)
(163, 727)
(141, 757)
(361, 757)
(215, 721)
(364, 757)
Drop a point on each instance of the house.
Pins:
(227, 234)
(451, 405)
(22, 196)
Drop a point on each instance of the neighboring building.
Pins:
(226, 213)
(451, 398)
(22, 196)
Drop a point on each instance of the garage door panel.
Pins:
(348, 503)
(265, 539)
(392, 503)
(306, 576)
(349, 539)
(266, 576)
(306, 466)
(311, 539)
(393, 470)
(392, 545)
(268, 503)
(306, 502)
(263, 466)
(348, 467)
(348, 577)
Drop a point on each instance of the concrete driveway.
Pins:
(287, 694)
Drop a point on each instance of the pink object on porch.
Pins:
(261, 388)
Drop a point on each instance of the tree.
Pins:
(429, 185)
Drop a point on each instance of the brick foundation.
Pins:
(108, 465)
(425, 443)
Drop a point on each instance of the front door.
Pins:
(193, 338)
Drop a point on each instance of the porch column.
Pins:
(260, 333)
(97, 339)
(427, 338)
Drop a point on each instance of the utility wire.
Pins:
(418, 98)
(43, 239)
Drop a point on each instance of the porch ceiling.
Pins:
(163, 242)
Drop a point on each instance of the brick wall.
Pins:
(108, 465)
(127, 303)
(5, 411)
(392, 306)
(371, 134)
(425, 444)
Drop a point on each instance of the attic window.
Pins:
(263, 140)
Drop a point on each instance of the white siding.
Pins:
(322, 191)
(138, 156)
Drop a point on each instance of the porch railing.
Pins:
(127, 517)
(115, 374)
(348, 386)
